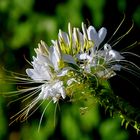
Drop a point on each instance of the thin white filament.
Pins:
(40, 121)
(117, 29)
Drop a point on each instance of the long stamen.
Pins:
(40, 121)
(121, 37)
(117, 29)
(131, 54)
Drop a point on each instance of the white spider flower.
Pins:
(103, 62)
(53, 90)
(47, 74)
(76, 43)
(46, 70)
(62, 69)
(83, 50)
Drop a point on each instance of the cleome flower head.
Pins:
(76, 63)
(46, 70)
(83, 49)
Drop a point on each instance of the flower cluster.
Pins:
(75, 52)
(75, 59)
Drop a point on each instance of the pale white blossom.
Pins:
(64, 66)
(46, 71)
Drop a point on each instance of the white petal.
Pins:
(92, 35)
(81, 39)
(68, 58)
(115, 55)
(44, 92)
(33, 74)
(64, 36)
(63, 93)
(63, 72)
(117, 67)
(55, 58)
(38, 76)
(83, 56)
(29, 72)
(101, 34)
(107, 47)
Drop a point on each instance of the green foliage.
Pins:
(122, 5)
(111, 129)
(96, 7)
(3, 121)
(137, 16)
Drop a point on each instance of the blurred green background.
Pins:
(23, 23)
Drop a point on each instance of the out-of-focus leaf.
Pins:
(70, 127)
(4, 4)
(136, 16)
(111, 129)
(25, 6)
(90, 119)
(96, 7)
(22, 35)
(3, 123)
(122, 5)
(71, 10)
